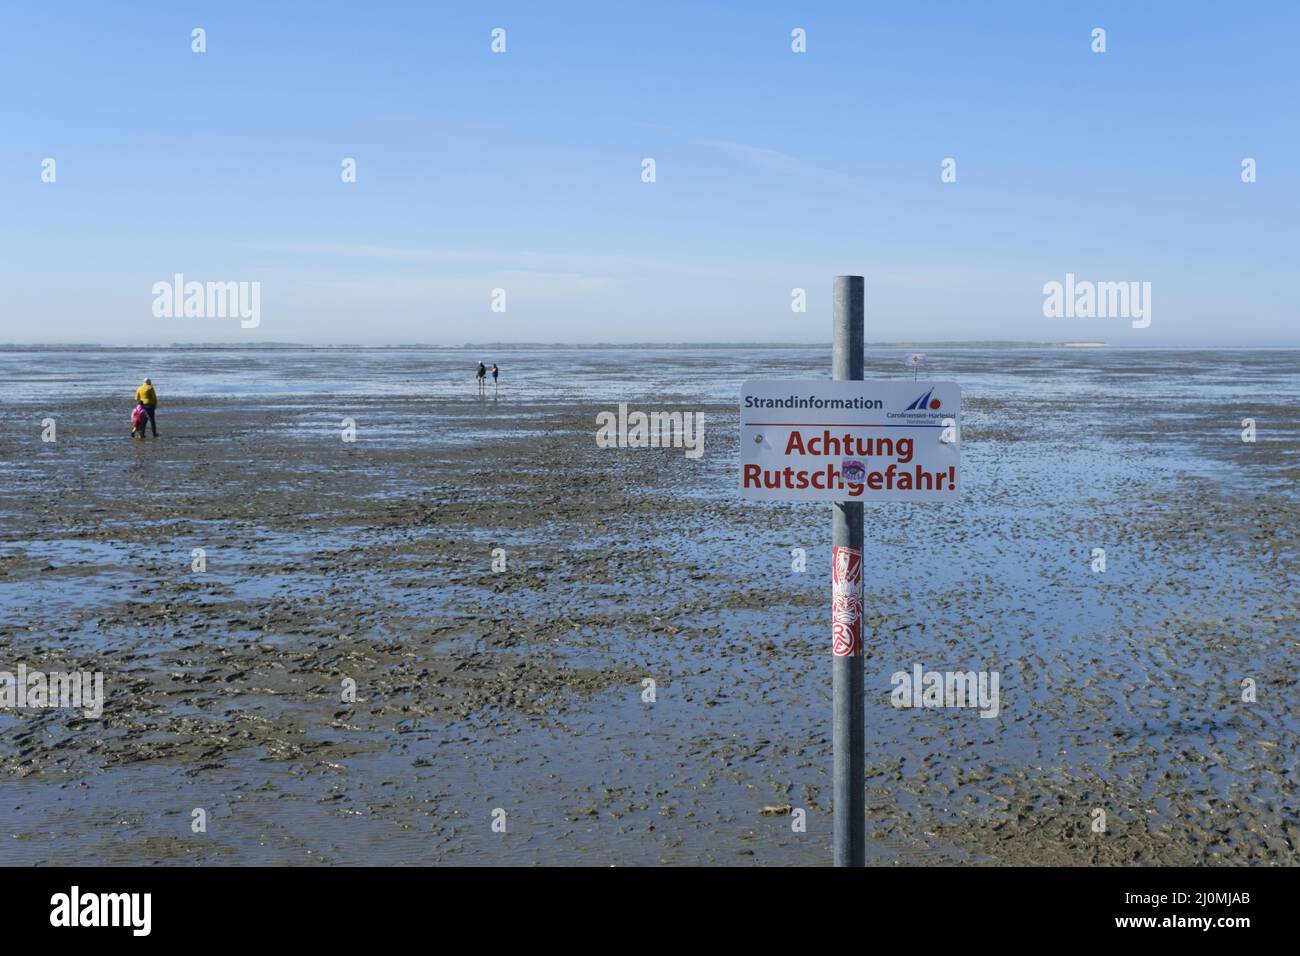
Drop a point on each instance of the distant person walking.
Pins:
(481, 376)
(495, 372)
(148, 399)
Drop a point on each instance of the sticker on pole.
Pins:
(819, 440)
(846, 602)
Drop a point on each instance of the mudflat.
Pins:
(609, 654)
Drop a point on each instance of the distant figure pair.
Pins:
(146, 405)
(481, 375)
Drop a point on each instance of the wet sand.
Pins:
(522, 690)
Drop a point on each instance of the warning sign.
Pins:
(819, 440)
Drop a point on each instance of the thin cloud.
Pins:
(593, 266)
(363, 251)
(785, 164)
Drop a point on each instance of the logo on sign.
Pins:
(923, 403)
(846, 602)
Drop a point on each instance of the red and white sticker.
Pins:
(846, 602)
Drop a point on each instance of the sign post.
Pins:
(848, 441)
(848, 734)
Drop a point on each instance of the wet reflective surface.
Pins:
(523, 690)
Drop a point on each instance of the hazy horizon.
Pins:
(972, 344)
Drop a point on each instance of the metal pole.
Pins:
(846, 676)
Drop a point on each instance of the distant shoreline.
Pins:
(527, 346)
(611, 346)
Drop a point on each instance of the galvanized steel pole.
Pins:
(846, 549)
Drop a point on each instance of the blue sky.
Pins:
(774, 170)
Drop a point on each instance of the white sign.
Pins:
(820, 440)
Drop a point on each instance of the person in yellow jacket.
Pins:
(147, 397)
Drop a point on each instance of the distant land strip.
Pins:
(530, 346)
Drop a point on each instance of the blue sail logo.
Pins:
(923, 404)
